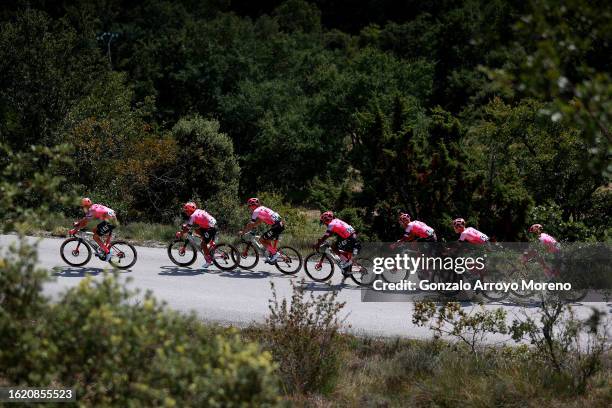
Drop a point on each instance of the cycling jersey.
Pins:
(340, 228)
(266, 215)
(473, 236)
(100, 212)
(202, 219)
(419, 229)
(549, 242)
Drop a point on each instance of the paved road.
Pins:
(238, 297)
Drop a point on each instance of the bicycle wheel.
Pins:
(75, 252)
(444, 276)
(182, 252)
(519, 275)
(123, 255)
(225, 256)
(494, 295)
(289, 260)
(394, 275)
(319, 267)
(246, 255)
(362, 272)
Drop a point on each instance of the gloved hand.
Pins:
(179, 234)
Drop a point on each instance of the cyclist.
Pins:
(414, 231)
(346, 246)
(205, 226)
(551, 246)
(269, 239)
(470, 235)
(108, 222)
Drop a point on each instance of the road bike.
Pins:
(77, 250)
(320, 266)
(289, 259)
(184, 252)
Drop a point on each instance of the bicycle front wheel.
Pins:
(394, 275)
(225, 256)
(319, 267)
(75, 252)
(247, 256)
(289, 260)
(123, 255)
(182, 253)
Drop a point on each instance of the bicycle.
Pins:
(184, 252)
(123, 254)
(322, 263)
(289, 260)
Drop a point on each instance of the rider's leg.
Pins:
(205, 243)
(99, 241)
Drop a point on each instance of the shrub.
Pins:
(303, 336)
(117, 352)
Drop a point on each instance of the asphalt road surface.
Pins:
(241, 297)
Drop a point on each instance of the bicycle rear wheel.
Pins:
(75, 252)
(123, 255)
(225, 256)
(289, 260)
(362, 272)
(319, 267)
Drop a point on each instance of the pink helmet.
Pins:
(253, 201)
(190, 208)
(536, 228)
(459, 222)
(404, 218)
(326, 217)
(86, 202)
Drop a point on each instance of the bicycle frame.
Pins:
(196, 242)
(254, 240)
(327, 249)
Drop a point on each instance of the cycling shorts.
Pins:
(104, 228)
(350, 244)
(207, 234)
(274, 232)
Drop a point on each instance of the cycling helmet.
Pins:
(327, 216)
(253, 201)
(86, 202)
(459, 222)
(190, 208)
(404, 218)
(536, 228)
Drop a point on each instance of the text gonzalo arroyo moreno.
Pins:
(459, 265)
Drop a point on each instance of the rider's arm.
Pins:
(323, 238)
(250, 225)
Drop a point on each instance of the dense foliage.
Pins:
(496, 111)
(118, 350)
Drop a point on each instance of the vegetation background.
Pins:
(496, 111)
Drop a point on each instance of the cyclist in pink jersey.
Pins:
(205, 226)
(551, 246)
(470, 235)
(108, 222)
(414, 231)
(259, 215)
(347, 245)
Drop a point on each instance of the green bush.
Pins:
(303, 336)
(117, 352)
